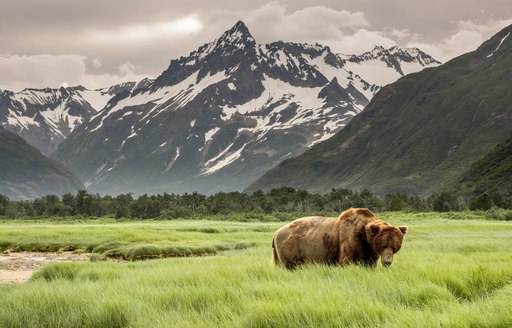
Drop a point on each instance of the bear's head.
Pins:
(385, 240)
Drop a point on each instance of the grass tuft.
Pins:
(55, 271)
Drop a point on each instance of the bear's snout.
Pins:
(387, 257)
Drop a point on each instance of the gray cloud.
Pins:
(97, 42)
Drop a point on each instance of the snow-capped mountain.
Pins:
(369, 66)
(217, 119)
(429, 132)
(45, 117)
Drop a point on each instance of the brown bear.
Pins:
(356, 236)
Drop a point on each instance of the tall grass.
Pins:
(449, 273)
(135, 240)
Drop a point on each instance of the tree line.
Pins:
(281, 200)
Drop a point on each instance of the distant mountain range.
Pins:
(25, 173)
(46, 117)
(220, 117)
(419, 134)
(215, 120)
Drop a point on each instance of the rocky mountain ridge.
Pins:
(214, 120)
(418, 134)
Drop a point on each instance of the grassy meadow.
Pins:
(454, 270)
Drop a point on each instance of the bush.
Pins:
(499, 214)
(446, 202)
(483, 202)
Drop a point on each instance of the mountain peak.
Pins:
(396, 52)
(333, 92)
(408, 54)
(239, 33)
(240, 25)
(378, 49)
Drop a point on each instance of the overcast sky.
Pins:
(98, 43)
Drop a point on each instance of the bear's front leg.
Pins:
(346, 256)
(369, 262)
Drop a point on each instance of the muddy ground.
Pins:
(18, 267)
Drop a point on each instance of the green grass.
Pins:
(449, 273)
(135, 240)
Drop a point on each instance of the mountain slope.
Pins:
(218, 118)
(416, 133)
(490, 174)
(25, 173)
(46, 117)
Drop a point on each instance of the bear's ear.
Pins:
(374, 229)
(403, 229)
(365, 212)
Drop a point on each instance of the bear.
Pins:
(356, 236)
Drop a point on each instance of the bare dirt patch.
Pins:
(18, 267)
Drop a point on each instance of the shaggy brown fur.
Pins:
(356, 236)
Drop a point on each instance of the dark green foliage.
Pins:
(499, 214)
(446, 202)
(482, 202)
(489, 178)
(122, 205)
(283, 204)
(4, 203)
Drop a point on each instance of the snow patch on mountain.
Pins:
(208, 135)
(222, 161)
(54, 117)
(276, 90)
(35, 96)
(126, 114)
(177, 95)
(374, 70)
(499, 45)
(21, 121)
(329, 71)
(172, 161)
(96, 98)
